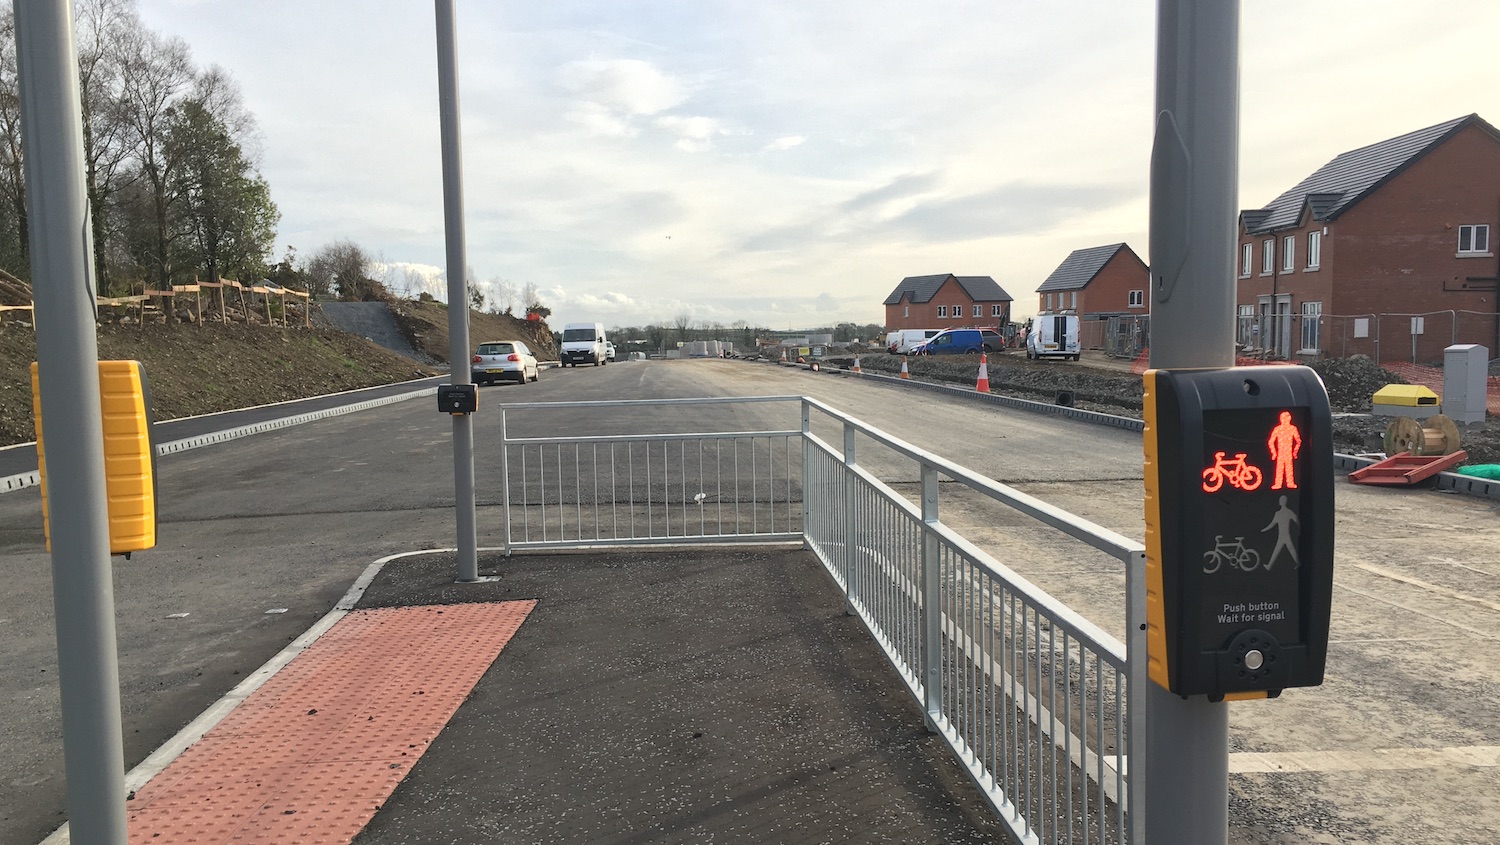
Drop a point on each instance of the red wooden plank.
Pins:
(1406, 469)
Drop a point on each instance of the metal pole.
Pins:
(1194, 168)
(72, 425)
(851, 540)
(932, 610)
(458, 292)
(505, 482)
(1139, 687)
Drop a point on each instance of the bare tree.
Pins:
(341, 266)
(683, 323)
(503, 295)
(14, 247)
(154, 74)
(218, 94)
(102, 26)
(529, 295)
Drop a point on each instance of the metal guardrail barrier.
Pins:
(1033, 700)
(699, 486)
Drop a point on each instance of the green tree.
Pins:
(286, 272)
(222, 202)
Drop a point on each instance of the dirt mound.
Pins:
(214, 367)
(1351, 382)
(425, 325)
(1043, 381)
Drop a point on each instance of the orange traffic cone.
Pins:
(983, 385)
(904, 373)
(856, 365)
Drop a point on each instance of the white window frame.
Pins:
(1074, 304)
(1049, 302)
(1267, 256)
(1247, 259)
(1312, 331)
(1474, 233)
(1289, 254)
(943, 311)
(906, 310)
(1314, 250)
(978, 310)
(997, 310)
(1137, 299)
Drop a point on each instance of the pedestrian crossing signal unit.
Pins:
(129, 455)
(1239, 530)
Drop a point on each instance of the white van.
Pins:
(903, 341)
(1053, 336)
(584, 343)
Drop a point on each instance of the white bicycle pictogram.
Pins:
(1235, 554)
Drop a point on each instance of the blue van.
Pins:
(962, 342)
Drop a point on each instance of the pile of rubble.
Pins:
(1351, 383)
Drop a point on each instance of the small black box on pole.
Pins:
(458, 398)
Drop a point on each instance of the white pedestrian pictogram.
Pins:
(1282, 522)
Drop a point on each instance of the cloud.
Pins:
(785, 143)
(902, 187)
(1008, 210)
(695, 134)
(611, 92)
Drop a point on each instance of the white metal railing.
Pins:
(703, 486)
(1031, 697)
(1035, 701)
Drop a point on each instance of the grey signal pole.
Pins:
(72, 425)
(1194, 192)
(458, 291)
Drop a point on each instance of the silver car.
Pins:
(503, 360)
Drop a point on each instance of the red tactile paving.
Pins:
(312, 754)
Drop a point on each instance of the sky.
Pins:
(786, 163)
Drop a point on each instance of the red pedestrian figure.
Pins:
(1285, 443)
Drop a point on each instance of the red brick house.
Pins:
(1387, 250)
(1106, 286)
(946, 301)
(1098, 282)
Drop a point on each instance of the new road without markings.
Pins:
(1399, 744)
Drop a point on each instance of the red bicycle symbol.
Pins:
(1239, 474)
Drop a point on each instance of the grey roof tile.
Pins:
(1080, 267)
(1336, 186)
(920, 289)
(983, 289)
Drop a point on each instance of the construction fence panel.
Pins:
(1417, 338)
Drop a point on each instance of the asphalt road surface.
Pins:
(1401, 744)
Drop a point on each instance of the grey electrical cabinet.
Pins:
(1465, 374)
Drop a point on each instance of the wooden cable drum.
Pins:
(1437, 435)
